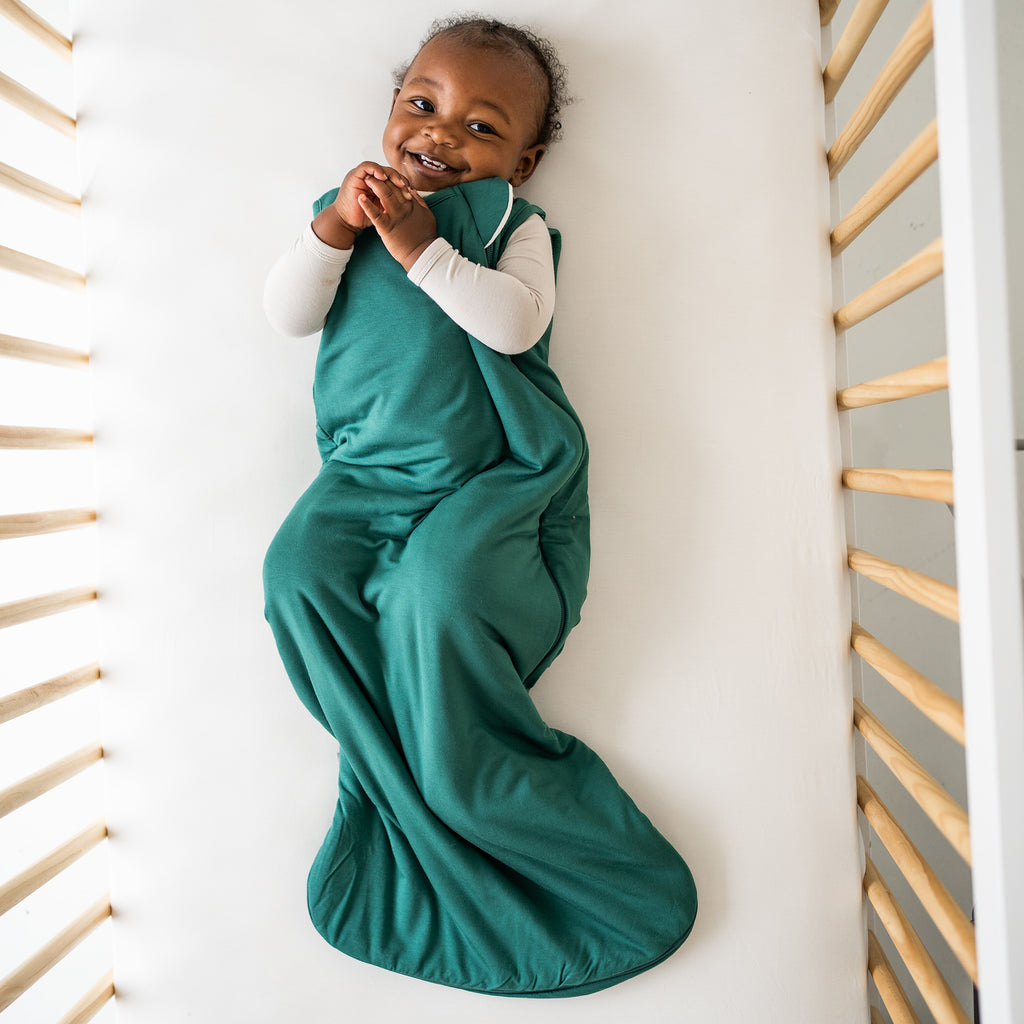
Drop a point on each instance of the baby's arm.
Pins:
(508, 308)
(302, 284)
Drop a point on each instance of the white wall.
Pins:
(693, 333)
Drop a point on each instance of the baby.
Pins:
(435, 566)
(479, 101)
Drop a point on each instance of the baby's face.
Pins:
(464, 113)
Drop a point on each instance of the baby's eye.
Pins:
(422, 104)
(481, 128)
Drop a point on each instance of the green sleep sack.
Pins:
(419, 587)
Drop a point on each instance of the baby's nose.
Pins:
(440, 133)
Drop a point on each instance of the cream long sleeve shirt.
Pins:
(508, 308)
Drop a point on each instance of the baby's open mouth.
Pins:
(430, 163)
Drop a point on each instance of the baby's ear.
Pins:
(531, 156)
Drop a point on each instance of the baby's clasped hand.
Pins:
(402, 219)
(354, 185)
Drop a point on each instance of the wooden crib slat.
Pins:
(17, 612)
(902, 173)
(35, 106)
(918, 380)
(858, 29)
(34, 877)
(927, 484)
(21, 702)
(42, 352)
(951, 921)
(44, 438)
(39, 190)
(34, 524)
(33, 786)
(888, 985)
(906, 58)
(926, 975)
(943, 811)
(931, 700)
(92, 1002)
(917, 271)
(37, 27)
(40, 270)
(22, 978)
(924, 590)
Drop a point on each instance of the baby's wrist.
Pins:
(332, 229)
(409, 260)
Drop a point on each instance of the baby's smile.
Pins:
(430, 163)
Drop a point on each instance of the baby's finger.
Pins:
(371, 169)
(373, 211)
(399, 179)
(387, 195)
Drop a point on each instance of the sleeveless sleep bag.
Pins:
(418, 588)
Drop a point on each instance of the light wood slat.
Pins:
(17, 612)
(31, 698)
(858, 29)
(40, 270)
(33, 786)
(931, 700)
(927, 484)
(34, 524)
(888, 985)
(92, 1002)
(40, 29)
(56, 861)
(22, 978)
(926, 975)
(921, 268)
(943, 811)
(44, 438)
(903, 172)
(926, 591)
(39, 190)
(876, 1016)
(918, 380)
(827, 10)
(951, 921)
(42, 352)
(905, 59)
(35, 106)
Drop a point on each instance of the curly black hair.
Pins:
(478, 30)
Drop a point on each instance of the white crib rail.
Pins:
(977, 297)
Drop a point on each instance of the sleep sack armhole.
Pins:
(503, 221)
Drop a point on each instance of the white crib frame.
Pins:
(977, 295)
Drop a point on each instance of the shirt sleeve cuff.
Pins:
(438, 249)
(323, 252)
